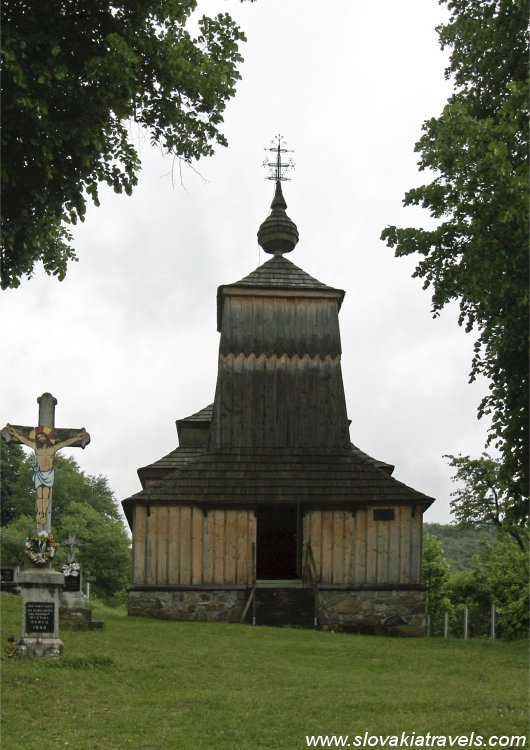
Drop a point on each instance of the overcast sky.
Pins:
(127, 343)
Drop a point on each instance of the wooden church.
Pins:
(266, 512)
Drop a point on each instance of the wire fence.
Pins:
(465, 622)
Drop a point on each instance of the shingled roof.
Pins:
(249, 477)
(280, 274)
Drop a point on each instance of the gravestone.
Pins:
(74, 613)
(72, 595)
(9, 578)
(41, 585)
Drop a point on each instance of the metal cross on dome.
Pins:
(278, 169)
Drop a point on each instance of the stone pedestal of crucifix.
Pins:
(41, 585)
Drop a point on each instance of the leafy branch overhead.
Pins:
(483, 498)
(477, 254)
(74, 77)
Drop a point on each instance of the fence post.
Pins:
(88, 592)
(428, 625)
(493, 621)
(466, 623)
(446, 624)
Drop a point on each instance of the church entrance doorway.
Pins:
(278, 543)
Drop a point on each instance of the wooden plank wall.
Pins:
(180, 545)
(354, 549)
(279, 374)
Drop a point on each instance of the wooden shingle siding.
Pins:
(280, 325)
(356, 550)
(179, 545)
(272, 401)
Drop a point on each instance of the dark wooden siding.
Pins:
(255, 324)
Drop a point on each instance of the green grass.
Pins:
(155, 685)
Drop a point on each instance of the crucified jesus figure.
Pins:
(43, 441)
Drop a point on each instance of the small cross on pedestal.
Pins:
(71, 542)
(45, 440)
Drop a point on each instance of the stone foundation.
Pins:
(376, 611)
(225, 605)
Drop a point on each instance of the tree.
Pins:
(74, 75)
(500, 574)
(105, 554)
(83, 505)
(72, 485)
(15, 482)
(483, 498)
(12, 538)
(435, 575)
(477, 252)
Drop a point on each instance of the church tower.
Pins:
(266, 512)
(279, 381)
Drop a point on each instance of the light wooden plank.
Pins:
(327, 546)
(383, 536)
(349, 537)
(252, 544)
(172, 547)
(231, 531)
(394, 547)
(185, 546)
(198, 531)
(241, 547)
(416, 530)
(210, 546)
(337, 542)
(161, 544)
(315, 537)
(360, 547)
(405, 542)
(371, 547)
(219, 555)
(139, 544)
(151, 532)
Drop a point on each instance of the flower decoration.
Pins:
(40, 547)
(70, 569)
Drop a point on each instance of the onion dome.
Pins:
(278, 234)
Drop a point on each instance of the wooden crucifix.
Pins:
(45, 440)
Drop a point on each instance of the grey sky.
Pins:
(128, 342)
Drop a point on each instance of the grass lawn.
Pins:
(154, 685)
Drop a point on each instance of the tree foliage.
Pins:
(75, 76)
(483, 498)
(72, 485)
(82, 504)
(460, 543)
(435, 575)
(477, 150)
(499, 576)
(15, 483)
(104, 556)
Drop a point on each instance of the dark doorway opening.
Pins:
(278, 543)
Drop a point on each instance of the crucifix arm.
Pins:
(82, 435)
(18, 436)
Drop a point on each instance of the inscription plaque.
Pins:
(72, 583)
(40, 617)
